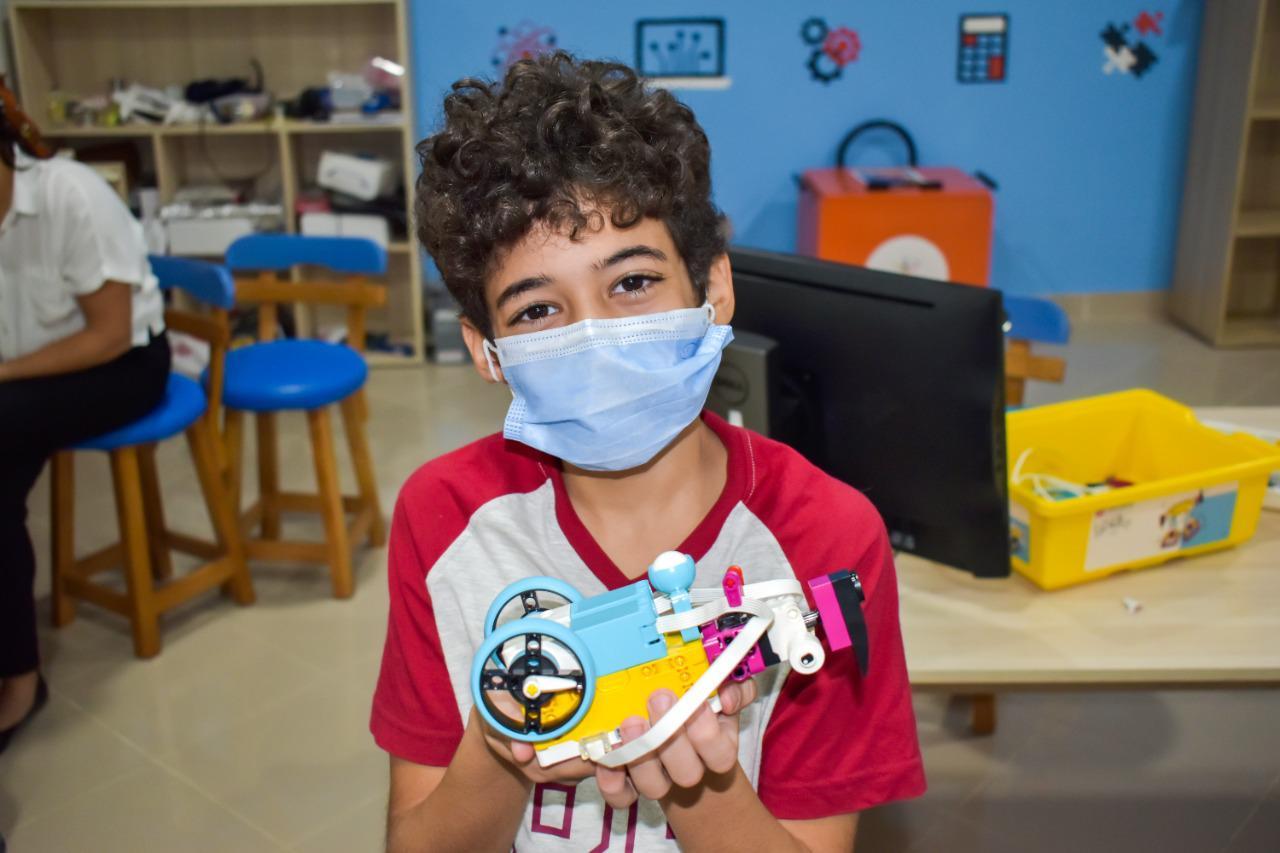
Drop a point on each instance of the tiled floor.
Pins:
(249, 731)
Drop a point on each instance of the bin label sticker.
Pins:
(1019, 532)
(1135, 532)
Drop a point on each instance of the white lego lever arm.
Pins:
(550, 683)
(701, 691)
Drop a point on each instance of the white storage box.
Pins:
(207, 236)
(365, 178)
(374, 228)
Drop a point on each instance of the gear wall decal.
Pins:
(832, 49)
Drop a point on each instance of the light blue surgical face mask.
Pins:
(608, 395)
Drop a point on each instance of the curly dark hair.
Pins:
(558, 142)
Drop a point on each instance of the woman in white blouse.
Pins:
(82, 352)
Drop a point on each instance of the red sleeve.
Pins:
(837, 742)
(415, 715)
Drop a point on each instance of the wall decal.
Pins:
(1127, 54)
(833, 49)
(983, 54)
(680, 47)
(1149, 24)
(524, 41)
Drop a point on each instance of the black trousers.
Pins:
(37, 418)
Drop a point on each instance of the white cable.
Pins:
(684, 709)
(759, 589)
(1017, 466)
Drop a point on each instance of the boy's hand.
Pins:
(521, 756)
(708, 742)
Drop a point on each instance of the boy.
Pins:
(570, 213)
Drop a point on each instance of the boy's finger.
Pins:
(736, 695)
(500, 747)
(522, 752)
(679, 759)
(573, 770)
(615, 787)
(647, 775)
(717, 751)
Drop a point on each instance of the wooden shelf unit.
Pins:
(1226, 285)
(77, 46)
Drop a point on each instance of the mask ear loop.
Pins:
(488, 359)
(711, 312)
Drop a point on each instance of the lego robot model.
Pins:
(563, 672)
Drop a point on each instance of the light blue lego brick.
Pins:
(618, 628)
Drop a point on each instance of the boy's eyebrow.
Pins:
(637, 251)
(522, 286)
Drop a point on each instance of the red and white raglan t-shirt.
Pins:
(493, 512)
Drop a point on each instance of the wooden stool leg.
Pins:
(225, 524)
(335, 523)
(133, 537)
(268, 476)
(1016, 357)
(234, 443)
(158, 540)
(353, 423)
(983, 719)
(62, 499)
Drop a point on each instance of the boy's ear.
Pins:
(474, 339)
(720, 289)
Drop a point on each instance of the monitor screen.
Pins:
(893, 384)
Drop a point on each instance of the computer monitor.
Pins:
(893, 384)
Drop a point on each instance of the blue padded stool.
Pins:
(145, 541)
(308, 376)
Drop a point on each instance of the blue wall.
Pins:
(1089, 165)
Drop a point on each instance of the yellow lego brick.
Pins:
(626, 693)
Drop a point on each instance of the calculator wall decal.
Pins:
(983, 55)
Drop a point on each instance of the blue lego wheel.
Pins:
(525, 593)
(533, 679)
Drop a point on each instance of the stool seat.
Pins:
(183, 403)
(291, 374)
(1033, 319)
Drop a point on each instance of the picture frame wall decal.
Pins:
(680, 47)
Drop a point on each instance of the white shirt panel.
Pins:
(66, 234)
(516, 536)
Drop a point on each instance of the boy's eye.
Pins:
(635, 284)
(534, 313)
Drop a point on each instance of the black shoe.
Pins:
(42, 696)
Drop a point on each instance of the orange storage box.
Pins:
(942, 233)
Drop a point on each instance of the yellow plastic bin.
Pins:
(1194, 489)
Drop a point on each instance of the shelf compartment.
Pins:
(1267, 86)
(243, 162)
(77, 49)
(185, 4)
(1253, 293)
(1260, 180)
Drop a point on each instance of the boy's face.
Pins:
(548, 280)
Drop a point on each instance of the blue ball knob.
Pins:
(672, 572)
